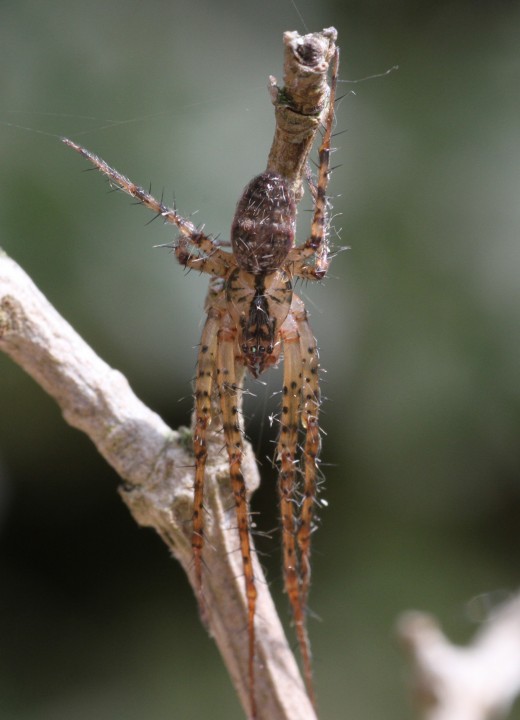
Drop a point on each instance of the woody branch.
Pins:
(157, 481)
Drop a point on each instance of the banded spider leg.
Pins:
(253, 317)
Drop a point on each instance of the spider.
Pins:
(253, 320)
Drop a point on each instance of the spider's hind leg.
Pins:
(229, 375)
(311, 448)
(293, 409)
(206, 366)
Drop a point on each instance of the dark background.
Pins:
(419, 329)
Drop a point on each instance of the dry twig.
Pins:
(157, 486)
(477, 682)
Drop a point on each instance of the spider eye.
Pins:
(270, 349)
(244, 347)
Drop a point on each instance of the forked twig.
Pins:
(479, 681)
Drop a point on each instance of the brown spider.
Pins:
(253, 317)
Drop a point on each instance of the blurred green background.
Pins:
(419, 329)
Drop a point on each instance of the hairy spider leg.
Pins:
(316, 245)
(311, 449)
(287, 458)
(229, 385)
(206, 365)
(190, 235)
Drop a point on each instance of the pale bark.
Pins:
(156, 470)
(477, 682)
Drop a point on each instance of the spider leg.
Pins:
(190, 235)
(286, 455)
(229, 381)
(216, 264)
(316, 245)
(206, 364)
(311, 449)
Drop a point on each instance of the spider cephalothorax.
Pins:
(253, 319)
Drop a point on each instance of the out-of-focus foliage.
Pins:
(419, 327)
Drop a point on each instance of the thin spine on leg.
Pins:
(187, 229)
(311, 449)
(316, 244)
(227, 379)
(286, 455)
(206, 365)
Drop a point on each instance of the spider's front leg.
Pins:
(194, 249)
(311, 260)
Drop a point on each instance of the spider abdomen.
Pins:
(263, 228)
